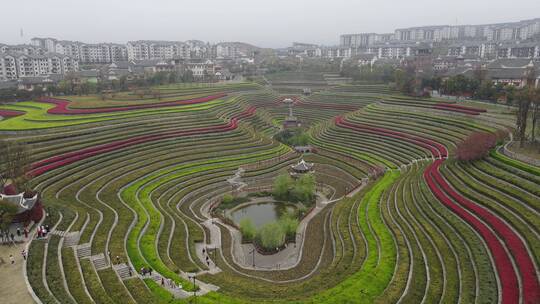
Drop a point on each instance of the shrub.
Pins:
(227, 199)
(475, 146)
(247, 229)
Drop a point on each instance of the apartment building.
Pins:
(521, 30)
(363, 39)
(19, 65)
(149, 49)
(83, 52)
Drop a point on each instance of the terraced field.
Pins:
(128, 184)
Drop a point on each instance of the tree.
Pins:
(247, 229)
(304, 188)
(14, 162)
(475, 146)
(535, 113)
(289, 224)
(281, 186)
(271, 236)
(7, 212)
(523, 102)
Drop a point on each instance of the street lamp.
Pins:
(253, 252)
(194, 286)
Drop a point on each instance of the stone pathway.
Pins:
(14, 289)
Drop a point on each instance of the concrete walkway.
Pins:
(13, 286)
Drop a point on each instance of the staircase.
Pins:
(71, 238)
(123, 271)
(100, 261)
(83, 250)
(60, 233)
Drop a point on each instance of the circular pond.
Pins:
(260, 213)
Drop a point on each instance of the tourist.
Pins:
(23, 253)
(129, 271)
(25, 232)
(39, 232)
(18, 232)
(12, 238)
(12, 259)
(150, 270)
(118, 260)
(162, 281)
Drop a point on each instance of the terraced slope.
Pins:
(131, 189)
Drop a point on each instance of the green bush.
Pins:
(227, 199)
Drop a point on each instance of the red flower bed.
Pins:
(10, 113)
(54, 162)
(458, 108)
(506, 273)
(62, 105)
(435, 148)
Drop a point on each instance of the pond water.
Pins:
(261, 213)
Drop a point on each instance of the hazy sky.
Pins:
(268, 23)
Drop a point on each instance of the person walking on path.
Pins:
(150, 270)
(12, 259)
(162, 281)
(23, 253)
(18, 232)
(25, 232)
(12, 238)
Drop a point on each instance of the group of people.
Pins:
(146, 271)
(170, 283)
(8, 237)
(42, 231)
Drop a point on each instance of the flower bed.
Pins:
(10, 113)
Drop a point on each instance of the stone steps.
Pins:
(71, 238)
(100, 262)
(60, 233)
(84, 250)
(123, 271)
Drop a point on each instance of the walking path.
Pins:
(13, 286)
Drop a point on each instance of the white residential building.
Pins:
(147, 49)
(18, 65)
(84, 52)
